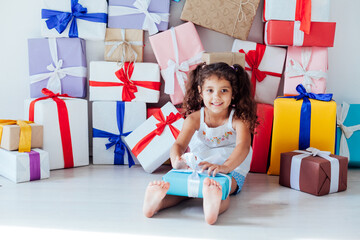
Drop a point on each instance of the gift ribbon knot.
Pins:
(160, 127)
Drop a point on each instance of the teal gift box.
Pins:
(348, 133)
(182, 183)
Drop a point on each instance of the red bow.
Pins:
(253, 59)
(303, 14)
(63, 123)
(137, 149)
(129, 87)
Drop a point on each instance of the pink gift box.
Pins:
(308, 66)
(174, 69)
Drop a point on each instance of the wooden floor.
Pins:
(105, 202)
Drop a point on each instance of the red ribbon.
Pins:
(129, 86)
(63, 123)
(137, 149)
(253, 59)
(303, 14)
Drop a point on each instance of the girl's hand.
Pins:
(180, 163)
(214, 169)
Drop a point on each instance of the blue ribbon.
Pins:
(305, 115)
(116, 140)
(59, 20)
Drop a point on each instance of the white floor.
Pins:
(105, 202)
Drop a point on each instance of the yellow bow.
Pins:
(25, 133)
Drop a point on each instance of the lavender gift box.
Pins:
(136, 20)
(58, 64)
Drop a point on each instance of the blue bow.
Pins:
(59, 20)
(305, 115)
(116, 140)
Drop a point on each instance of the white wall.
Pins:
(17, 27)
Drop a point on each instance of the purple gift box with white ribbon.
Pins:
(24, 166)
(150, 15)
(58, 64)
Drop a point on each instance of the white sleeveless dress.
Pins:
(215, 145)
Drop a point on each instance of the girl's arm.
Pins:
(241, 150)
(191, 124)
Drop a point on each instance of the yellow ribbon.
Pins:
(25, 133)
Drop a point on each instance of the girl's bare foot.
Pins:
(212, 194)
(155, 193)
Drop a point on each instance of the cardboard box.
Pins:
(11, 136)
(225, 16)
(230, 58)
(124, 45)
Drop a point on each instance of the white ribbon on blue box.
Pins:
(189, 182)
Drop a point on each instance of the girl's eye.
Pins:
(209, 90)
(224, 90)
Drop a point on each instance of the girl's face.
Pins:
(216, 93)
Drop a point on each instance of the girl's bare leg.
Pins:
(212, 204)
(156, 198)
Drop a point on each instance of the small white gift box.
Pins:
(26, 166)
(112, 121)
(151, 141)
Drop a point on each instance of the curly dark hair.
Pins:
(243, 101)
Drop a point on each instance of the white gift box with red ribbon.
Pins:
(46, 113)
(264, 65)
(151, 141)
(131, 82)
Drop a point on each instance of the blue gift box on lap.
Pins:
(182, 183)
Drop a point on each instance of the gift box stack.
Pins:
(21, 156)
(305, 117)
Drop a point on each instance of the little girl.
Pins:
(220, 118)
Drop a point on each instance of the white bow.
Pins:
(342, 112)
(141, 6)
(296, 69)
(178, 69)
(56, 73)
(126, 45)
(296, 163)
